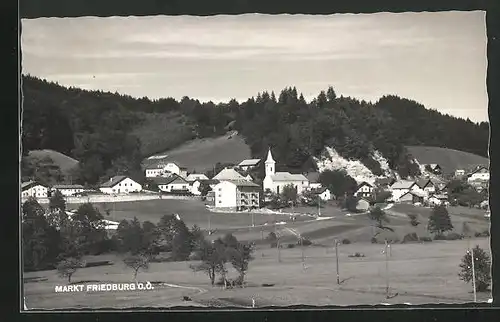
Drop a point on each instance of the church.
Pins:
(275, 181)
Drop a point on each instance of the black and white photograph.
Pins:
(253, 161)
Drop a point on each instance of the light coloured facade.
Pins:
(229, 174)
(175, 184)
(120, 185)
(68, 190)
(276, 181)
(34, 189)
(236, 195)
(481, 174)
(365, 190)
(196, 176)
(399, 188)
(165, 169)
(248, 164)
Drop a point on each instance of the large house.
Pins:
(248, 164)
(230, 174)
(237, 195)
(120, 184)
(68, 189)
(323, 193)
(34, 189)
(173, 184)
(196, 176)
(479, 174)
(365, 190)
(412, 197)
(428, 186)
(275, 181)
(399, 188)
(165, 169)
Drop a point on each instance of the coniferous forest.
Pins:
(98, 128)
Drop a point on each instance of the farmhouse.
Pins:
(196, 176)
(237, 195)
(68, 190)
(399, 188)
(427, 186)
(459, 173)
(120, 184)
(165, 169)
(323, 193)
(438, 199)
(248, 164)
(275, 181)
(433, 167)
(34, 189)
(479, 174)
(173, 184)
(412, 197)
(365, 190)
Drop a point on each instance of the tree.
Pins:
(338, 182)
(137, 262)
(57, 210)
(414, 220)
(330, 94)
(213, 259)
(382, 195)
(88, 225)
(240, 257)
(482, 269)
(439, 220)
(378, 216)
(272, 239)
(68, 267)
(289, 194)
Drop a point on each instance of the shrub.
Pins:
(374, 240)
(425, 239)
(290, 245)
(305, 242)
(482, 269)
(485, 233)
(411, 237)
(454, 236)
(357, 255)
(346, 241)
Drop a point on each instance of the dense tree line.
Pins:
(95, 127)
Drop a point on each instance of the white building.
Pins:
(34, 189)
(399, 188)
(120, 184)
(480, 174)
(324, 193)
(248, 164)
(165, 169)
(173, 184)
(428, 187)
(365, 190)
(236, 195)
(459, 173)
(275, 181)
(68, 189)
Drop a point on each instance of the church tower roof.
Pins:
(269, 157)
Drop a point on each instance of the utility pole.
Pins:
(473, 273)
(386, 251)
(337, 260)
(319, 206)
(253, 220)
(209, 224)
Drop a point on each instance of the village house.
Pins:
(165, 169)
(173, 184)
(120, 184)
(323, 193)
(438, 199)
(229, 174)
(433, 167)
(237, 195)
(275, 181)
(427, 186)
(384, 182)
(196, 176)
(365, 190)
(34, 189)
(313, 178)
(68, 189)
(399, 188)
(412, 197)
(245, 165)
(459, 173)
(479, 174)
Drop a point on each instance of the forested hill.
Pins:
(109, 133)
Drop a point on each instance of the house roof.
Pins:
(440, 196)
(413, 193)
(249, 162)
(433, 166)
(287, 176)
(319, 190)
(29, 184)
(209, 181)
(383, 181)
(244, 183)
(404, 184)
(422, 183)
(364, 183)
(173, 179)
(228, 174)
(68, 186)
(113, 181)
(313, 177)
(196, 176)
(479, 168)
(269, 157)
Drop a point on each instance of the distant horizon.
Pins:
(435, 58)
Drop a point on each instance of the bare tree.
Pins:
(68, 267)
(137, 262)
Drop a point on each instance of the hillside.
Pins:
(64, 162)
(202, 154)
(448, 159)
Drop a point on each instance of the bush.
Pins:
(290, 245)
(357, 255)
(374, 240)
(454, 236)
(425, 239)
(98, 263)
(485, 233)
(412, 237)
(305, 242)
(346, 241)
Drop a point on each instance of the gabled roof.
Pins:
(196, 176)
(422, 183)
(413, 193)
(68, 186)
(319, 190)
(113, 181)
(433, 166)
(228, 174)
(404, 184)
(173, 179)
(243, 183)
(31, 183)
(479, 168)
(287, 176)
(364, 183)
(249, 162)
(383, 181)
(209, 181)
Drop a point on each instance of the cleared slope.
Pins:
(64, 162)
(202, 154)
(448, 159)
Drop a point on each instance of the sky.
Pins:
(437, 59)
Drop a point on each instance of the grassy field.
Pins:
(448, 159)
(417, 273)
(64, 162)
(208, 152)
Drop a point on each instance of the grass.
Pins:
(208, 152)
(419, 273)
(64, 162)
(448, 159)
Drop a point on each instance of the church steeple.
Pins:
(270, 164)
